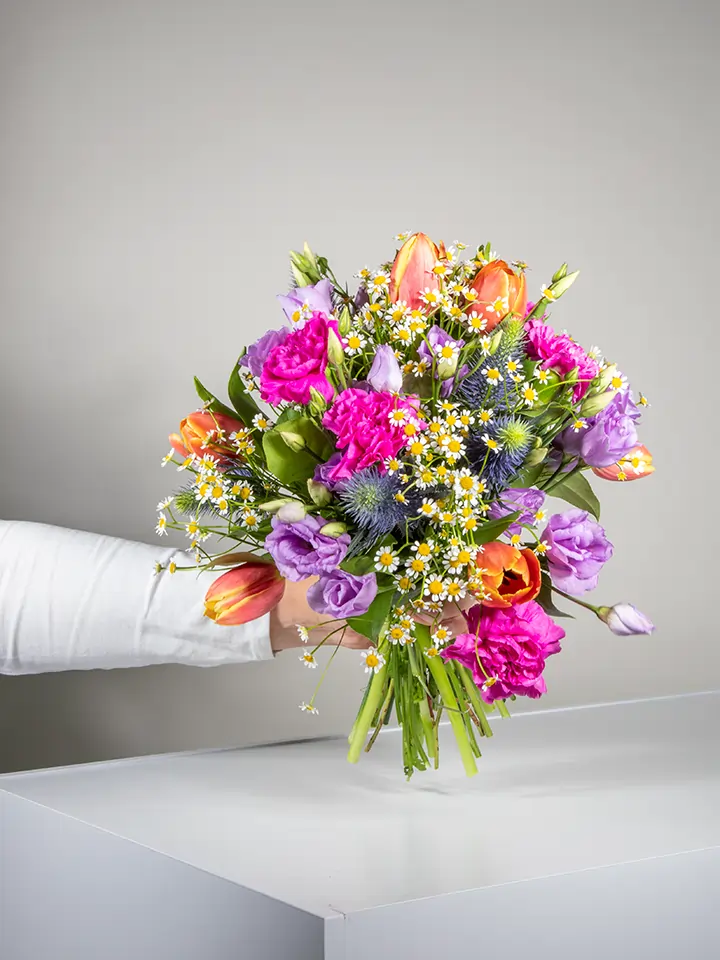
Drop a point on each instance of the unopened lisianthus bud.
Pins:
(319, 493)
(292, 512)
(334, 529)
(293, 440)
(335, 351)
(592, 405)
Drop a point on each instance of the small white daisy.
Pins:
(308, 659)
(386, 560)
(161, 528)
(309, 708)
(374, 661)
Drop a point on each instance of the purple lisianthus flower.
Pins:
(577, 548)
(300, 550)
(525, 499)
(341, 594)
(625, 620)
(257, 352)
(303, 301)
(324, 472)
(607, 436)
(385, 372)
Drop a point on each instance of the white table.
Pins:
(592, 832)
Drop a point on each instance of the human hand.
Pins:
(293, 611)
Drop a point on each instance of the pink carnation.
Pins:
(512, 646)
(298, 363)
(361, 420)
(559, 351)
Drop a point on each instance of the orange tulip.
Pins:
(634, 465)
(500, 291)
(244, 593)
(510, 575)
(206, 434)
(412, 271)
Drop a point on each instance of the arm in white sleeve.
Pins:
(71, 600)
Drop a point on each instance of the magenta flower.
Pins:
(298, 363)
(577, 549)
(361, 421)
(301, 300)
(560, 352)
(508, 648)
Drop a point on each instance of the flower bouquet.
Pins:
(397, 444)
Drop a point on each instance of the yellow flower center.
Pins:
(417, 565)
(386, 559)
(353, 342)
(371, 660)
(435, 586)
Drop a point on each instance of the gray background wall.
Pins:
(158, 160)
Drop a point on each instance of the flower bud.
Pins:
(319, 493)
(495, 342)
(272, 506)
(604, 379)
(244, 594)
(385, 373)
(293, 440)
(334, 529)
(625, 620)
(344, 322)
(560, 273)
(592, 405)
(536, 456)
(304, 267)
(446, 367)
(335, 351)
(563, 284)
(318, 404)
(292, 512)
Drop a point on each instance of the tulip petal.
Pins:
(244, 593)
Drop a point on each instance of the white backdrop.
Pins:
(160, 158)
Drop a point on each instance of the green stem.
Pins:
(502, 709)
(428, 728)
(476, 702)
(381, 718)
(437, 669)
(580, 603)
(375, 697)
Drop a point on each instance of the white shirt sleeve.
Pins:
(71, 600)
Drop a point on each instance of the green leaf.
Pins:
(287, 466)
(577, 491)
(370, 624)
(239, 397)
(493, 528)
(528, 476)
(316, 439)
(211, 401)
(357, 565)
(545, 599)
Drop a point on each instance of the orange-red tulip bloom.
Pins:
(634, 465)
(500, 291)
(206, 434)
(413, 270)
(244, 594)
(511, 576)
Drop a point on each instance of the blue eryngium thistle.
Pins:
(515, 436)
(475, 389)
(370, 498)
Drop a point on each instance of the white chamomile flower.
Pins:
(642, 401)
(157, 569)
(261, 422)
(498, 306)
(466, 418)
(453, 449)
(546, 292)
(403, 334)
(486, 416)
(309, 708)
(250, 520)
(433, 298)
(435, 589)
(542, 376)
(466, 484)
(167, 458)
(619, 381)
(392, 465)
(476, 322)
(578, 425)
(540, 548)
(386, 560)
(187, 462)
(397, 312)
(397, 634)
(529, 394)
(596, 354)
(308, 659)
(402, 237)
(303, 633)
(455, 312)
(374, 661)
(379, 282)
(354, 343)
(192, 528)
(513, 368)
(161, 528)
(417, 447)
(491, 443)
(441, 636)
(419, 369)
(428, 508)
(399, 416)
(164, 503)
(492, 375)
(424, 548)
(441, 268)
(539, 516)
